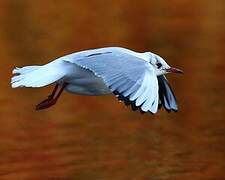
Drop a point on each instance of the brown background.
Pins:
(98, 137)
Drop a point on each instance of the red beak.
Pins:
(174, 70)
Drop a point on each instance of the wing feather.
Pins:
(166, 95)
(128, 76)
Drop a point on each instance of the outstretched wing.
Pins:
(167, 98)
(131, 78)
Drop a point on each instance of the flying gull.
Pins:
(137, 79)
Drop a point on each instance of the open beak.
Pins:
(174, 70)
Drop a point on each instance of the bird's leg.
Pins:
(51, 96)
(50, 101)
(60, 91)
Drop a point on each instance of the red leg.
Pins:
(50, 97)
(60, 91)
(50, 101)
(53, 92)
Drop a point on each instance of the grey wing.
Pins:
(132, 79)
(167, 98)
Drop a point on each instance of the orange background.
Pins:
(97, 137)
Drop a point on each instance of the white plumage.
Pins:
(135, 78)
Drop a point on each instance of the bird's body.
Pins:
(132, 76)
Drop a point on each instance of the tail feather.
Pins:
(35, 76)
(25, 70)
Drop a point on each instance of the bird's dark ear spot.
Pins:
(159, 65)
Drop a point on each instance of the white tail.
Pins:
(36, 76)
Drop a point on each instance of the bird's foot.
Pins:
(50, 101)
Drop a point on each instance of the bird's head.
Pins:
(160, 65)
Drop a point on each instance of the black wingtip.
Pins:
(128, 102)
(165, 94)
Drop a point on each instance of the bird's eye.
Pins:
(159, 65)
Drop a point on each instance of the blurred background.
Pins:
(98, 137)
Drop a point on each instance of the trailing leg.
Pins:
(51, 100)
